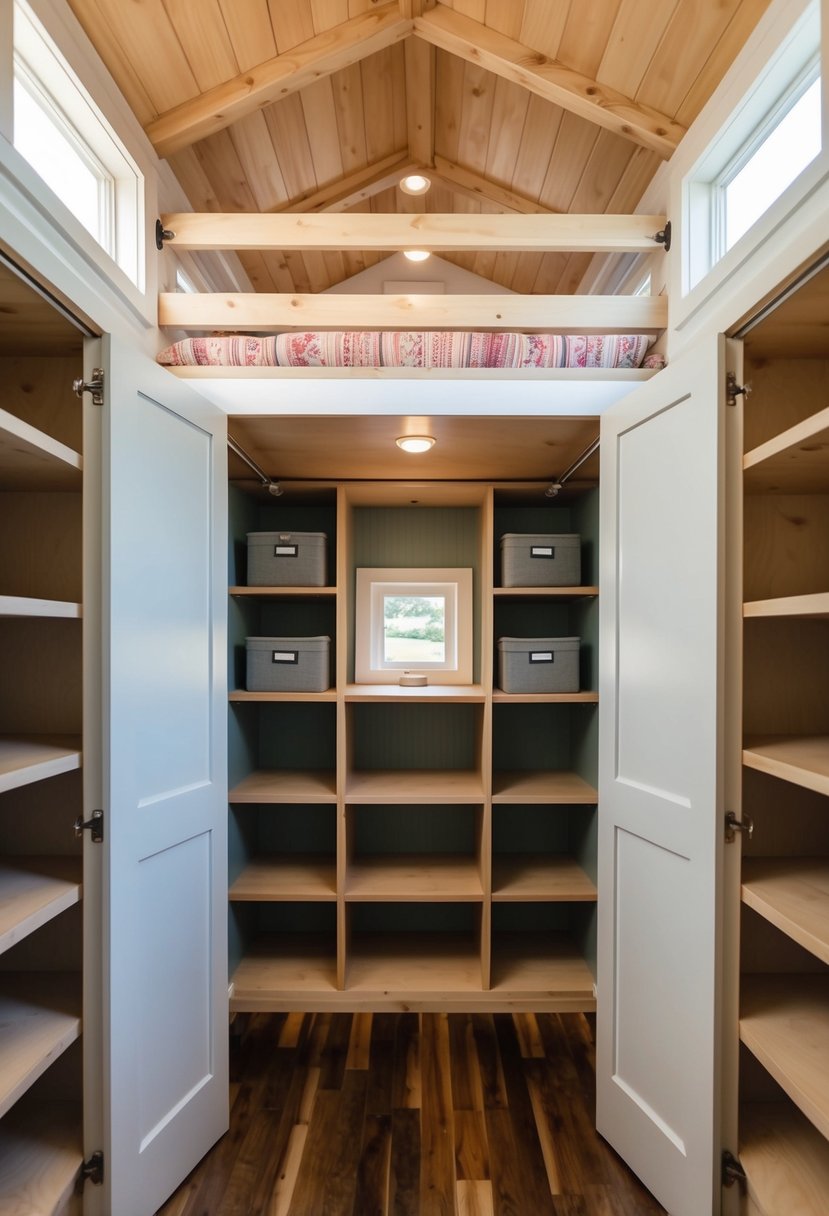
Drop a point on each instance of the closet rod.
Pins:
(273, 486)
(556, 484)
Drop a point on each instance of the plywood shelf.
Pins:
(528, 786)
(40, 1015)
(242, 694)
(793, 894)
(445, 693)
(544, 968)
(41, 1153)
(277, 593)
(795, 461)
(532, 877)
(784, 1022)
(551, 698)
(546, 593)
(28, 758)
(294, 971)
(306, 876)
(286, 785)
(813, 606)
(402, 786)
(785, 1158)
(388, 969)
(414, 878)
(32, 460)
(26, 606)
(803, 760)
(33, 890)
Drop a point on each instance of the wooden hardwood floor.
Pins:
(412, 1115)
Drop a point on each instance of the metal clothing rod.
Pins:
(556, 484)
(273, 486)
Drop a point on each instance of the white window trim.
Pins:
(374, 584)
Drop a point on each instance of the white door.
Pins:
(661, 813)
(164, 504)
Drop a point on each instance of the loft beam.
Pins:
(440, 233)
(260, 311)
(472, 185)
(276, 78)
(450, 31)
(356, 188)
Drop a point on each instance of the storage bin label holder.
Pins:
(285, 656)
(542, 550)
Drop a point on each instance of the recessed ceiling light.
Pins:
(415, 443)
(416, 255)
(415, 183)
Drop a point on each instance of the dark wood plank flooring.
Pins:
(412, 1115)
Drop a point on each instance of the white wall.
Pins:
(397, 268)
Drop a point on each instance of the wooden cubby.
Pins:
(41, 655)
(425, 848)
(784, 936)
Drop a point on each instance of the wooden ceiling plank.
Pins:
(249, 30)
(574, 144)
(384, 102)
(420, 99)
(475, 9)
(193, 179)
(350, 117)
(222, 168)
(573, 91)
(585, 35)
(725, 51)
(541, 128)
(357, 187)
(414, 8)
(473, 185)
(516, 233)
(276, 78)
(509, 114)
(327, 13)
(252, 140)
(119, 62)
(200, 28)
(505, 16)
(542, 26)
(292, 22)
(320, 113)
(633, 41)
(259, 312)
(475, 117)
(286, 123)
(449, 72)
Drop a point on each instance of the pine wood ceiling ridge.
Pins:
(441, 28)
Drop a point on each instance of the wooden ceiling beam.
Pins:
(260, 311)
(472, 185)
(549, 233)
(356, 188)
(449, 30)
(420, 99)
(336, 48)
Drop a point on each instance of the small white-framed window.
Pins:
(413, 620)
(66, 139)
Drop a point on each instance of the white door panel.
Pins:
(659, 783)
(165, 890)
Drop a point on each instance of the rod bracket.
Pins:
(663, 236)
(162, 234)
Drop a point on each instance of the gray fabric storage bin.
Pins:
(286, 559)
(288, 664)
(538, 664)
(540, 559)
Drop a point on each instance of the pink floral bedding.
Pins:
(422, 348)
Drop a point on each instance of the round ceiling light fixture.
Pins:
(415, 443)
(415, 183)
(416, 255)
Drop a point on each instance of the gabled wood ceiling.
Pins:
(511, 105)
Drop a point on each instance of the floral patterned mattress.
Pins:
(423, 348)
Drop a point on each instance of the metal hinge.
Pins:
(732, 1171)
(733, 390)
(733, 825)
(95, 824)
(95, 386)
(93, 1169)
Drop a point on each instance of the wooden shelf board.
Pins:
(395, 966)
(524, 877)
(792, 893)
(536, 786)
(401, 786)
(785, 1158)
(284, 592)
(286, 785)
(28, 758)
(290, 877)
(414, 878)
(574, 698)
(40, 1013)
(544, 966)
(446, 693)
(796, 460)
(784, 1022)
(41, 1152)
(26, 606)
(30, 459)
(291, 972)
(814, 606)
(242, 694)
(33, 890)
(801, 759)
(564, 593)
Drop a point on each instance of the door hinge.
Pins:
(732, 1171)
(733, 390)
(95, 386)
(733, 825)
(93, 1169)
(95, 824)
